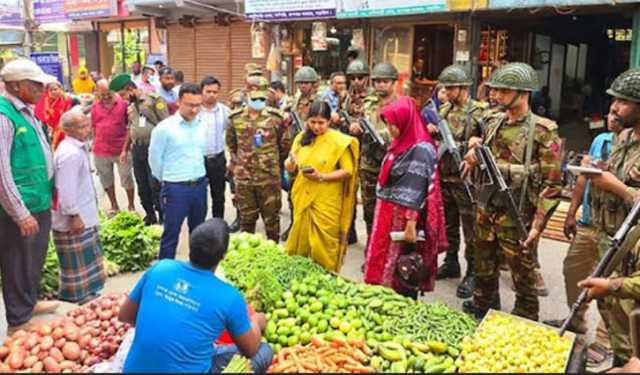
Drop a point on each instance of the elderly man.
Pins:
(75, 214)
(109, 116)
(26, 175)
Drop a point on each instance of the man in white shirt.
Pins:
(215, 117)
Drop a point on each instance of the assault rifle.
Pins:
(296, 121)
(488, 165)
(367, 127)
(609, 260)
(450, 146)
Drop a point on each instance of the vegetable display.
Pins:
(505, 343)
(303, 302)
(128, 243)
(84, 337)
(238, 365)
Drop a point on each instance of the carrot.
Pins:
(358, 369)
(318, 342)
(328, 353)
(310, 366)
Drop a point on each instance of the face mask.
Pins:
(382, 94)
(257, 105)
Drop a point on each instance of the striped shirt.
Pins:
(10, 199)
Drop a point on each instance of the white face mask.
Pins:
(257, 105)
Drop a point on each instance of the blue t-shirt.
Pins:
(601, 143)
(182, 310)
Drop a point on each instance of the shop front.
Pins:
(577, 56)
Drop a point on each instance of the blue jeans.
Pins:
(259, 363)
(179, 202)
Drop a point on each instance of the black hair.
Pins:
(278, 86)
(158, 62)
(352, 54)
(166, 70)
(131, 85)
(189, 88)
(209, 80)
(208, 243)
(337, 74)
(179, 75)
(318, 108)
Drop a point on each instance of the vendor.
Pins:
(180, 308)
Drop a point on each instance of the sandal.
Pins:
(111, 213)
(597, 355)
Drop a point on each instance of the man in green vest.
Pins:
(26, 184)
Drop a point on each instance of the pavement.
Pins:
(551, 254)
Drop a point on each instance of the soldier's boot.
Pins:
(450, 269)
(150, 219)
(235, 226)
(470, 308)
(465, 289)
(541, 287)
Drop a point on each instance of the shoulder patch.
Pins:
(236, 112)
(546, 123)
(160, 106)
(275, 112)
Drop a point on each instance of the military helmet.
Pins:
(306, 74)
(357, 67)
(454, 75)
(384, 70)
(626, 86)
(515, 76)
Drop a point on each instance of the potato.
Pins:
(57, 333)
(47, 343)
(4, 352)
(51, 365)
(16, 359)
(56, 354)
(30, 361)
(60, 343)
(71, 332)
(67, 365)
(71, 351)
(37, 367)
(45, 330)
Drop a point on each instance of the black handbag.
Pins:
(410, 269)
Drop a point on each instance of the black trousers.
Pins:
(216, 167)
(148, 186)
(21, 262)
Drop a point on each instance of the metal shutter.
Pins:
(212, 53)
(182, 50)
(241, 52)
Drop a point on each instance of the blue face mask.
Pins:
(257, 105)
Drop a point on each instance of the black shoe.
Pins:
(448, 270)
(353, 237)
(465, 289)
(235, 226)
(150, 219)
(470, 308)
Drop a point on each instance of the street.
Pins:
(551, 255)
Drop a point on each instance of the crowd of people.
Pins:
(173, 138)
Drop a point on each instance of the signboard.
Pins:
(540, 3)
(49, 11)
(11, 12)
(381, 8)
(49, 62)
(90, 8)
(280, 10)
(465, 5)
(11, 37)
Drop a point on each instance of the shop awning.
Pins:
(178, 8)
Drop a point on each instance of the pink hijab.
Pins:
(403, 113)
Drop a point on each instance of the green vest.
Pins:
(28, 164)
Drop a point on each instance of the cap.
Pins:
(253, 69)
(83, 69)
(25, 69)
(258, 94)
(119, 82)
(149, 66)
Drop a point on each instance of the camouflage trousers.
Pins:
(617, 321)
(368, 182)
(491, 240)
(458, 209)
(260, 200)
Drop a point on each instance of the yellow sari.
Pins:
(323, 210)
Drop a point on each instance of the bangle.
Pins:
(321, 177)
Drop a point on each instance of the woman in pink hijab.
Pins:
(410, 202)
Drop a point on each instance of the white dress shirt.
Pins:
(216, 121)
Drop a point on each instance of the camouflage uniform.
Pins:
(256, 168)
(609, 209)
(495, 230)
(465, 121)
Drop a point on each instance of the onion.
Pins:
(71, 351)
(104, 325)
(106, 303)
(105, 314)
(56, 354)
(79, 320)
(51, 365)
(94, 343)
(83, 355)
(84, 340)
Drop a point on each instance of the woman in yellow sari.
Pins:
(324, 191)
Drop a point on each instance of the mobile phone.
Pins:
(308, 170)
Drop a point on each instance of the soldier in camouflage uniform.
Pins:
(526, 148)
(613, 194)
(463, 115)
(258, 143)
(358, 74)
(306, 79)
(145, 111)
(384, 77)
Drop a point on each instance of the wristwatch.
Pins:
(615, 285)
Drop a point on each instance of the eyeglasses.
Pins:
(357, 78)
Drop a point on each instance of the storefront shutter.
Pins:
(213, 53)
(182, 50)
(241, 52)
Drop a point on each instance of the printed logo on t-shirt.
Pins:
(182, 286)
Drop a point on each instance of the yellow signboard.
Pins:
(466, 5)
